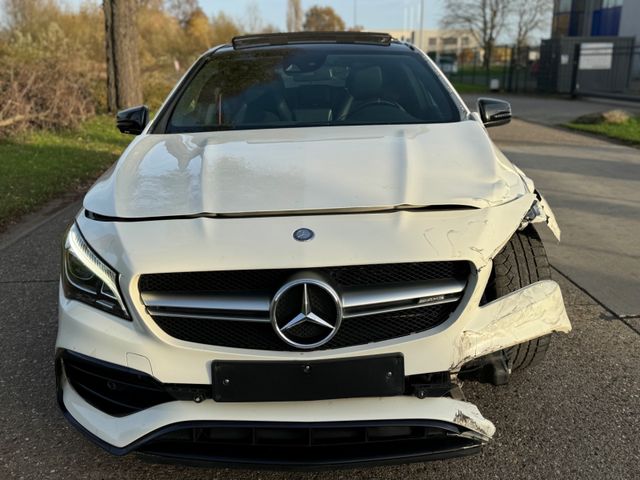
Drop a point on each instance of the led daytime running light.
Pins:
(81, 250)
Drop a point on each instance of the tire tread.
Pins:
(522, 262)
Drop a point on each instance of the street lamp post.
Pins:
(355, 14)
(421, 24)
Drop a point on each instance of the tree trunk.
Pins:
(488, 53)
(123, 67)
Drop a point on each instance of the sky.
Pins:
(371, 14)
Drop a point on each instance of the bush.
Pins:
(40, 89)
(52, 58)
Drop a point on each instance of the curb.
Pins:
(32, 221)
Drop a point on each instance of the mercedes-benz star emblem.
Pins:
(303, 234)
(306, 313)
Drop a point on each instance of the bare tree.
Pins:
(485, 19)
(528, 17)
(123, 64)
(252, 20)
(183, 10)
(294, 16)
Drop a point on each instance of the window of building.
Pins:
(564, 6)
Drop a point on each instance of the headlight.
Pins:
(88, 279)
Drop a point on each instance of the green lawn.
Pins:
(38, 167)
(628, 132)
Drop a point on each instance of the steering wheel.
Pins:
(374, 103)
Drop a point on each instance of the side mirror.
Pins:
(494, 112)
(133, 120)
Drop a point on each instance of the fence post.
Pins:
(473, 71)
(574, 71)
(512, 64)
(503, 83)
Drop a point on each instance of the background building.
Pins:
(605, 22)
(437, 42)
(595, 18)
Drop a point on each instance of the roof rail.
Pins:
(267, 39)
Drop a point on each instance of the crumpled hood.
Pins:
(306, 170)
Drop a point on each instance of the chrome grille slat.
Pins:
(357, 302)
(362, 297)
(398, 308)
(207, 316)
(240, 302)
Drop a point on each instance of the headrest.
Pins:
(365, 83)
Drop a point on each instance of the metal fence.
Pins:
(608, 66)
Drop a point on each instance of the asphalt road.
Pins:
(575, 416)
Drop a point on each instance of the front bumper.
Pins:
(429, 428)
(318, 434)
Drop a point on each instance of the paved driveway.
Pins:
(575, 416)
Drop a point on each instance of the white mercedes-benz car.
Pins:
(299, 261)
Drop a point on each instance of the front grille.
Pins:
(357, 329)
(312, 445)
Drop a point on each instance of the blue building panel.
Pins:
(606, 22)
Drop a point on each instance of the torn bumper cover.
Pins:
(528, 313)
(319, 434)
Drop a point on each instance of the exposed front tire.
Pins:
(521, 262)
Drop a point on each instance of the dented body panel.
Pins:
(324, 169)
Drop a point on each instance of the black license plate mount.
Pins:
(281, 381)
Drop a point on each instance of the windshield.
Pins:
(305, 86)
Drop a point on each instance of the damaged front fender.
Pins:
(540, 212)
(528, 313)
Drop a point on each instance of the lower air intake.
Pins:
(311, 445)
